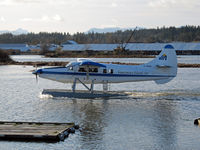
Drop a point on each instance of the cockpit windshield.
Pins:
(70, 65)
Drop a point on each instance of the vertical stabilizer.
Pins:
(165, 63)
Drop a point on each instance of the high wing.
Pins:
(88, 63)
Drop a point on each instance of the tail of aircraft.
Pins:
(165, 63)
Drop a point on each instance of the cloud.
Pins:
(26, 19)
(61, 2)
(25, 1)
(2, 19)
(161, 3)
(15, 2)
(114, 5)
(57, 18)
(5, 2)
(44, 18)
(45, 2)
(174, 3)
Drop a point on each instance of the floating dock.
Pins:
(35, 131)
(80, 93)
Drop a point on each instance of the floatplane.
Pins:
(162, 69)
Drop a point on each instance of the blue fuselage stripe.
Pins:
(101, 74)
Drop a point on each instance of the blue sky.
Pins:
(81, 15)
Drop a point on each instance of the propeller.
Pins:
(36, 77)
(36, 72)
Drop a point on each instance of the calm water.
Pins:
(153, 116)
(191, 59)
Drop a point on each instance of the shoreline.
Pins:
(101, 56)
(180, 65)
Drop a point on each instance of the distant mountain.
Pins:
(15, 32)
(105, 30)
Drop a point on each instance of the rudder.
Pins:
(165, 63)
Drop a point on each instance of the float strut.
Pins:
(74, 85)
(92, 86)
(105, 86)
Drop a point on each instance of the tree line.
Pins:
(4, 57)
(163, 34)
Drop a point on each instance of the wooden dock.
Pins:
(35, 131)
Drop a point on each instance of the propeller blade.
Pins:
(36, 76)
(36, 72)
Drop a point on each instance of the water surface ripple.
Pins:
(151, 117)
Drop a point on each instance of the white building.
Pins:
(21, 47)
(179, 46)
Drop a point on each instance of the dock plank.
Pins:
(34, 131)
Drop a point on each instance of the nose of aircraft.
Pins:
(39, 71)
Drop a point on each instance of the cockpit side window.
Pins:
(93, 69)
(82, 70)
(90, 70)
(71, 68)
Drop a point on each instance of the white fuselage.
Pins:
(161, 69)
(113, 74)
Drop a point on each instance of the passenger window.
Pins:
(111, 71)
(89, 70)
(82, 70)
(104, 70)
(95, 70)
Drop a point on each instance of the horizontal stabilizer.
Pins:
(163, 66)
